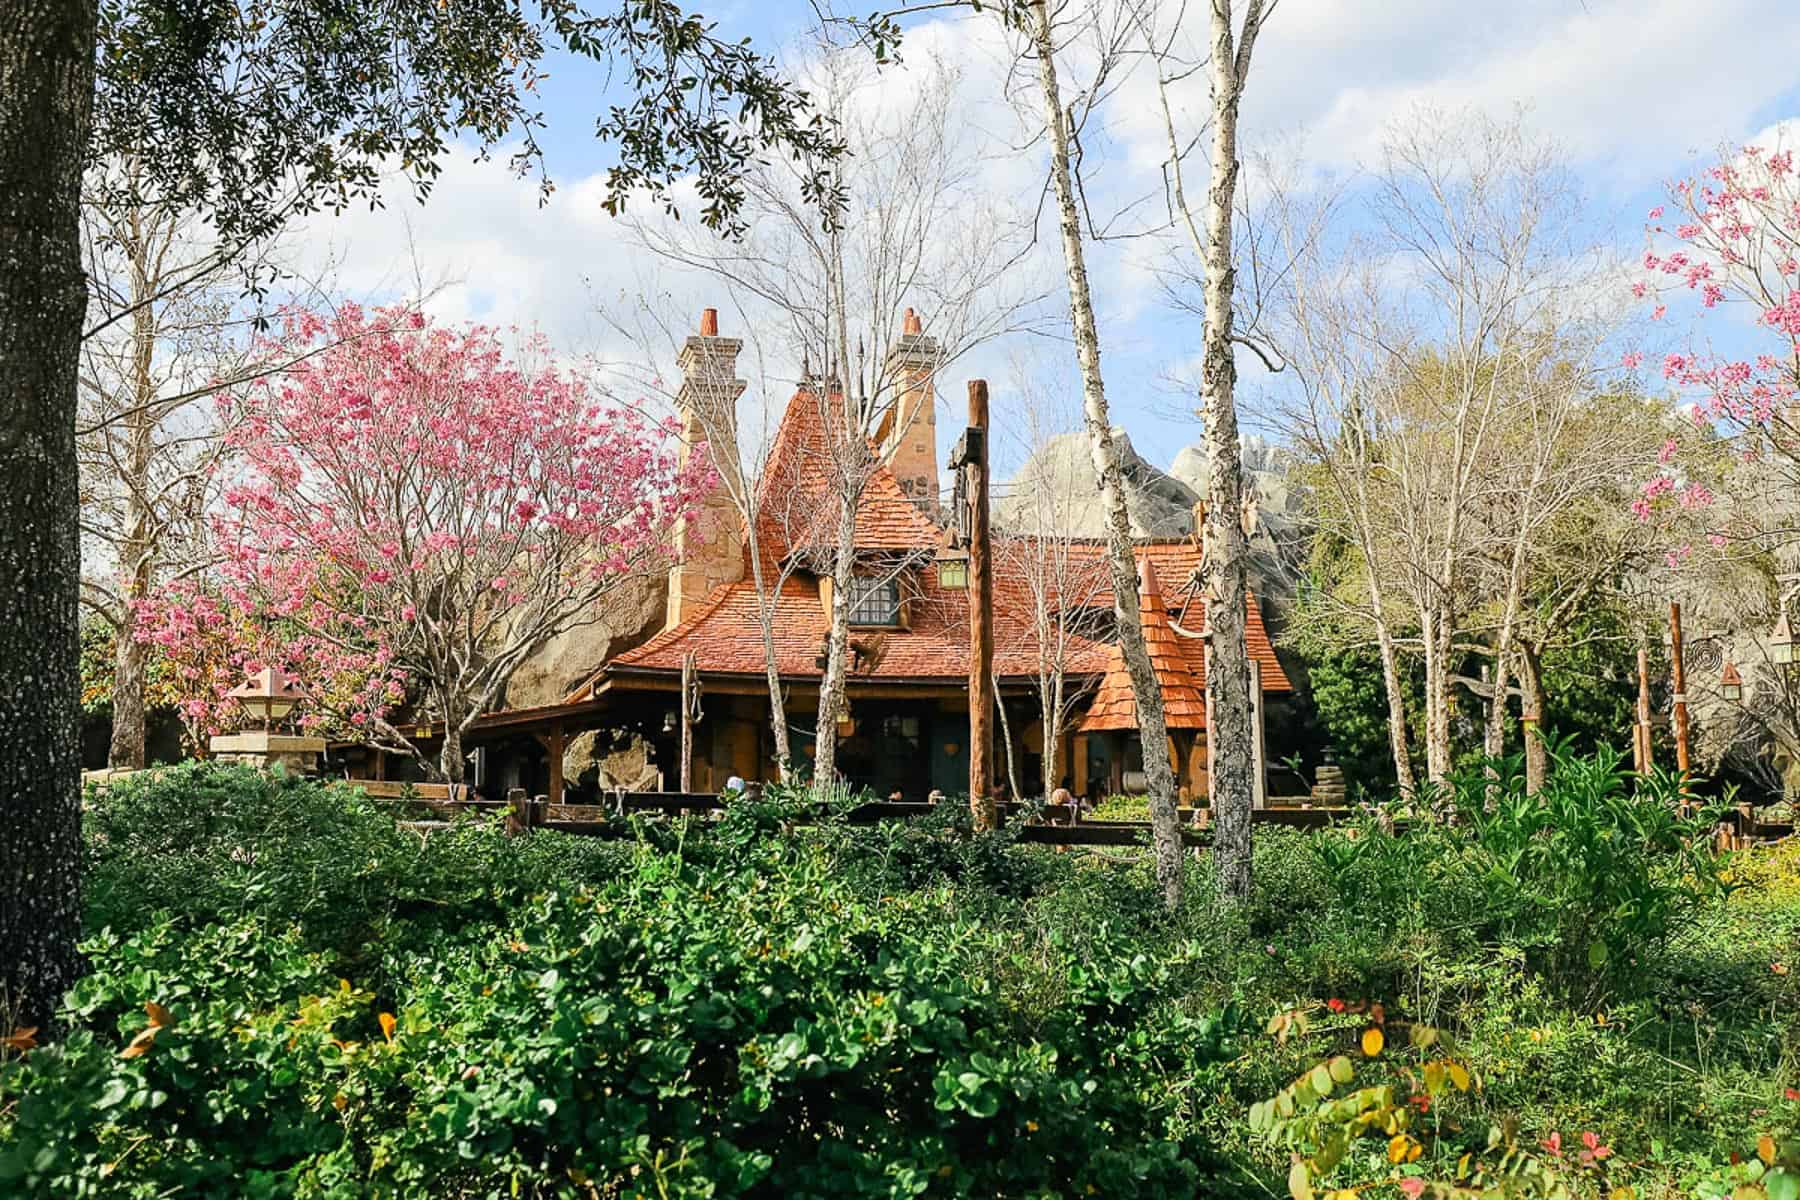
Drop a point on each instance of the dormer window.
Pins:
(874, 600)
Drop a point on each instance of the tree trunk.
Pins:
(46, 98)
(125, 752)
(778, 722)
(1159, 773)
(450, 754)
(831, 688)
(1531, 714)
(1396, 705)
(1231, 741)
(1006, 737)
(1436, 628)
(130, 655)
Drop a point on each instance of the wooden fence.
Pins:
(1050, 824)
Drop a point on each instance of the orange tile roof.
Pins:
(725, 635)
(1183, 690)
(795, 506)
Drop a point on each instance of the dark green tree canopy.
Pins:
(250, 110)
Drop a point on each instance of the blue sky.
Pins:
(1634, 89)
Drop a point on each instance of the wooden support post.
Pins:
(981, 613)
(687, 723)
(1642, 757)
(518, 811)
(554, 746)
(1259, 790)
(1681, 709)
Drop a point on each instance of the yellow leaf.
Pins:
(159, 1016)
(141, 1043)
(1397, 1148)
(20, 1039)
(387, 1025)
(1300, 1182)
(1459, 1075)
(1372, 1041)
(1621, 1193)
(340, 1101)
(1765, 1149)
(1413, 1151)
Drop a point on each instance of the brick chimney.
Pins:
(709, 550)
(909, 441)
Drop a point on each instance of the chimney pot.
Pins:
(912, 324)
(709, 322)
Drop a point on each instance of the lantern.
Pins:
(268, 694)
(1781, 641)
(953, 569)
(1731, 684)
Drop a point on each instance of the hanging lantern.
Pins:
(953, 569)
(1731, 684)
(1781, 641)
(846, 722)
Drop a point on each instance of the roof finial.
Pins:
(911, 323)
(1148, 585)
(709, 322)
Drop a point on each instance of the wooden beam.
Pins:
(981, 613)
(1681, 708)
(687, 722)
(554, 745)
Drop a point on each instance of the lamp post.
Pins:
(269, 696)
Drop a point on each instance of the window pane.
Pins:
(874, 602)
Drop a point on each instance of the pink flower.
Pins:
(1412, 1185)
(1632, 360)
(1667, 452)
(1553, 1144)
(1656, 213)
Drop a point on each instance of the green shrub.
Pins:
(733, 1015)
(1588, 877)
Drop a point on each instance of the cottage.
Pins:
(906, 725)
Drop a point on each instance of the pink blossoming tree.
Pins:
(408, 517)
(1730, 237)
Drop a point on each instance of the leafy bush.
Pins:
(730, 1016)
(1588, 877)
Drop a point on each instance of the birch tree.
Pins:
(1147, 692)
(1231, 740)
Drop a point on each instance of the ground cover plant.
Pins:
(289, 995)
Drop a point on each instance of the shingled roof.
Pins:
(796, 510)
(797, 507)
(1183, 689)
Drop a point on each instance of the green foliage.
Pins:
(1122, 808)
(1351, 700)
(1587, 878)
(291, 997)
(250, 111)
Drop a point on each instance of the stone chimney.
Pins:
(709, 549)
(909, 442)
